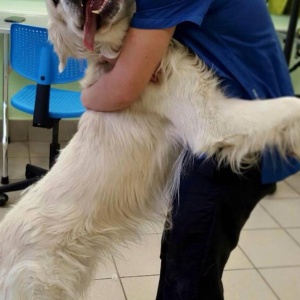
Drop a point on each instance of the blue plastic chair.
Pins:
(32, 56)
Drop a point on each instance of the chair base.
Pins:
(32, 173)
(4, 180)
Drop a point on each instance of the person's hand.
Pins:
(112, 62)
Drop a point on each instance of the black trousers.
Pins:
(214, 205)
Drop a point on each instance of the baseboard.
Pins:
(22, 130)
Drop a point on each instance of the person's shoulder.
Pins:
(156, 4)
(151, 4)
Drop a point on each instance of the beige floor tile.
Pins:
(267, 248)
(260, 219)
(246, 285)
(4, 211)
(294, 182)
(283, 191)
(39, 134)
(295, 233)
(107, 289)
(284, 281)
(16, 167)
(238, 260)
(39, 149)
(106, 270)
(140, 288)
(40, 162)
(140, 259)
(285, 211)
(18, 149)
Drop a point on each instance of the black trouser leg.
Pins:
(207, 221)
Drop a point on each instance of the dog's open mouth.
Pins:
(93, 10)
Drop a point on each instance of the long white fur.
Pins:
(121, 169)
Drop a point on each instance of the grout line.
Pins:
(139, 276)
(298, 243)
(267, 283)
(256, 269)
(272, 217)
(281, 227)
(262, 228)
(119, 278)
(251, 262)
(279, 267)
(292, 187)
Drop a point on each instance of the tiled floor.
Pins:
(265, 265)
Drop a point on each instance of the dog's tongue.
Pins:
(90, 25)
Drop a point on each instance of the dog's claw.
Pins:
(96, 12)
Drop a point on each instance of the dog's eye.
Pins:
(55, 2)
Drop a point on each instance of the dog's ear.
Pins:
(60, 43)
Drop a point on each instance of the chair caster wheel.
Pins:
(3, 200)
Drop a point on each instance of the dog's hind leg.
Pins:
(117, 172)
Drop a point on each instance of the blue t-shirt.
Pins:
(235, 38)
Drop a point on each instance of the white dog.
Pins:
(121, 169)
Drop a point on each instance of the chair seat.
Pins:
(63, 104)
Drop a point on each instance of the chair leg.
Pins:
(34, 171)
(54, 146)
(5, 131)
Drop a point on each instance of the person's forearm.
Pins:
(105, 95)
(141, 54)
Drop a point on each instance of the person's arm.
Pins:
(141, 53)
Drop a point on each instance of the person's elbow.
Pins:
(113, 101)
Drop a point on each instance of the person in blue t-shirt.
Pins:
(235, 38)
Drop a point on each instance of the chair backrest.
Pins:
(32, 56)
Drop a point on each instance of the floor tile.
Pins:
(295, 233)
(18, 149)
(246, 285)
(267, 248)
(260, 219)
(108, 289)
(39, 134)
(140, 259)
(40, 162)
(283, 191)
(106, 270)
(284, 281)
(238, 260)
(285, 211)
(16, 167)
(4, 211)
(140, 288)
(39, 149)
(294, 182)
